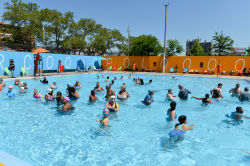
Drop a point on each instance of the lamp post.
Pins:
(165, 39)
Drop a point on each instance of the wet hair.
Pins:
(71, 89)
(107, 77)
(112, 82)
(238, 85)
(180, 86)
(150, 81)
(172, 105)
(246, 89)
(142, 82)
(170, 90)
(93, 93)
(51, 92)
(182, 119)
(59, 93)
(207, 96)
(220, 84)
(239, 110)
(177, 125)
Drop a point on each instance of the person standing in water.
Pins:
(133, 67)
(92, 97)
(98, 87)
(183, 93)
(149, 98)
(171, 114)
(236, 91)
(105, 120)
(205, 100)
(216, 92)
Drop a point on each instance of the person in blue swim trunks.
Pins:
(112, 106)
(171, 114)
(149, 98)
(11, 92)
(238, 114)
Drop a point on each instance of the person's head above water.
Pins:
(220, 85)
(173, 105)
(10, 88)
(77, 81)
(207, 96)
(150, 81)
(35, 91)
(123, 88)
(239, 110)
(106, 113)
(59, 94)
(97, 84)
(237, 85)
(246, 89)
(54, 82)
(182, 119)
(180, 86)
(93, 92)
(177, 125)
(170, 91)
(108, 87)
(151, 92)
(108, 78)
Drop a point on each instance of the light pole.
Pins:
(165, 39)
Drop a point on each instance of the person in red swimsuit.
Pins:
(133, 67)
(219, 70)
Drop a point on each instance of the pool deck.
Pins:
(148, 73)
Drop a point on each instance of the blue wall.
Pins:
(50, 61)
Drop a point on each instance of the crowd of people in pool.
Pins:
(112, 106)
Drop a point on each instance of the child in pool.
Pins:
(238, 114)
(105, 120)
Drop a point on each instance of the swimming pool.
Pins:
(35, 132)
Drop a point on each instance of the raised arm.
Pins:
(198, 98)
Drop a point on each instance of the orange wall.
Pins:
(229, 63)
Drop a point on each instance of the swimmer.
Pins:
(92, 97)
(121, 77)
(60, 98)
(149, 98)
(112, 83)
(236, 91)
(52, 86)
(107, 80)
(238, 114)
(115, 78)
(37, 95)
(50, 96)
(10, 92)
(205, 100)
(173, 77)
(102, 76)
(112, 106)
(66, 106)
(170, 96)
(105, 120)
(73, 94)
(150, 82)
(123, 94)
(110, 92)
(176, 132)
(130, 76)
(25, 85)
(182, 124)
(245, 96)
(97, 77)
(16, 82)
(183, 93)
(77, 85)
(98, 87)
(216, 92)
(44, 81)
(171, 114)
(2, 83)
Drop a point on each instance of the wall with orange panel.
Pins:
(210, 63)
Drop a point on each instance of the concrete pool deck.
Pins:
(9, 160)
(147, 73)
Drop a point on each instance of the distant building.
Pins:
(239, 51)
(207, 46)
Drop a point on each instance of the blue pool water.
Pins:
(35, 132)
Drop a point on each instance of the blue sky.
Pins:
(187, 19)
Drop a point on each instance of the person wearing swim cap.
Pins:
(236, 91)
(238, 114)
(92, 97)
(171, 114)
(112, 105)
(245, 96)
(149, 98)
(183, 93)
(11, 92)
(37, 95)
(205, 100)
(182, 124)
(216, 92)
(170, 96)
(105, 120)
(98, 87)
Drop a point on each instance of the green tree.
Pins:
(145, 45)
(197, 50)
(223, 45)
(248, 51)
(174, 48)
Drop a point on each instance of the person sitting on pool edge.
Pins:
(149, 98)
(236, 91)
(171, 114)
(110, 92)
(105, 120)
(10, 92)
(123, 94)
(37, 95)
(50, 96)
(112, 105)
(205, 100)
(92, 97)
(238, 114)
(44, 81)
(245, 96)
(72, 93)
(183, 93)
(182, 123)
(216, 92)
(170, 96)
(77, 85)
(98, 87)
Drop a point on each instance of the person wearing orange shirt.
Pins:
(133, 67)
(219, 70)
